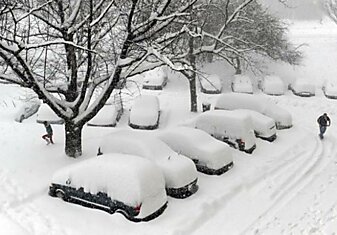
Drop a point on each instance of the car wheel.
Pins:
(60, 194)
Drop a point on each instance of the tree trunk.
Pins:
(73, 139)
(192, 77)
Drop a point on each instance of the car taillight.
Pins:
(137, 208)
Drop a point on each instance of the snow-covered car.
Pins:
(155, 79)
(126, 184)
(302, 87)
(210, 156)
(232, 101)
(228, 126)
(27, 110)
(264, 127)
(330, 89)
(45, 113)
(272, 85)
(179, 171)
(211, 84)
(242, 84)
(108, 116)
(145, 112)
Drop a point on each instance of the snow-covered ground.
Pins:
(285, 187)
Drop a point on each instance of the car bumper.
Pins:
(184, 191)
(269, 138)
(209, 171)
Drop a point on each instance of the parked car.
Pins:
(242, 84)
(126, 184)
(108, 116)
(45, 113)
(301, 87)
(232, 101)
(272, 85)
(227, 126)
(211, 84)
(27, 110)
(145, 113)
(264, 127)
(155, 79)
(179, 171)
(330, 89)
(209, 155)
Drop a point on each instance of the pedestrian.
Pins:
(323, 122)
(49, 136)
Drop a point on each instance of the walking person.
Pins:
(49, 136)
(323, 122)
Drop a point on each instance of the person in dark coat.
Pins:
(323, 122)
(49, 136)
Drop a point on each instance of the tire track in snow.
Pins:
(211, 208)
(321, 159)
(17, 206)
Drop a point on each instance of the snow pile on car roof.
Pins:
(107, 116)
(211, 83)
(273, 85)
(197, 144)
(123, 177)
(178, 169)
(45, 113)
(145, 111)
(155, 77)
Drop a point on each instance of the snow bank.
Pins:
(178, 169)
(198, 145)
(223, 124)
(130, 179)
(145, 112)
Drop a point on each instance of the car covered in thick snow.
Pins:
(27, 110)
(126, 184)
(210, 84)
(272, 85)
(232, 101)
(108, 116)
(145, 112)
(242, 84)
(330, 89)
(210, 155)
(236, 130)
(155, 79)
(45, 113)
(264, 126)
(302, 87)
(179, 171)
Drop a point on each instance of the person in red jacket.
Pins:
(323, 122)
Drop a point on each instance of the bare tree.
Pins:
(74, 47)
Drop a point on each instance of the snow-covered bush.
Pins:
(211, 84)
(179, 171)
(209, 155)
(144, 113)
(231, 101)
(131, 180)
(273, 85)
(237, 130)
(242, 84)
